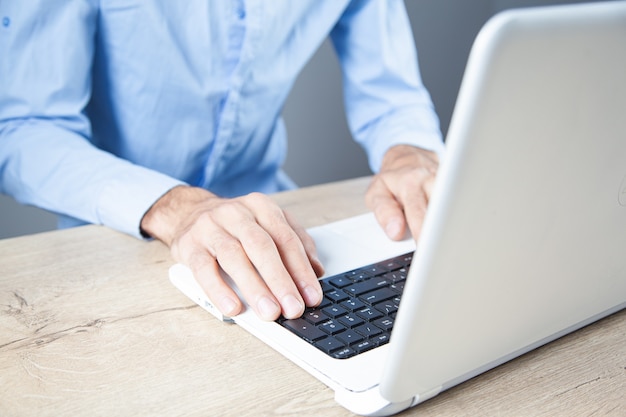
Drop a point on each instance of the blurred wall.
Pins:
(320, 148)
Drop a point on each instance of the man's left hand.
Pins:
(400, 192)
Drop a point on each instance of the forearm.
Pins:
(386, 101)
(45, 164)
(46, 157)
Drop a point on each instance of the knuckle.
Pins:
(285, 236)
(259, 240)
(257, 199)
(226, 210)
(225, 245)
(183, 245)
(204, 268)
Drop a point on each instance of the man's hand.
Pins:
(399, 193)
(272, 259)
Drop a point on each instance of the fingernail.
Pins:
(312, 296)
(268, 309)
(393, 229)
(228, 306)
(315, 259)
(291, 306)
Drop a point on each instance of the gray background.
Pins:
(320, 147)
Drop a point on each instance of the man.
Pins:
(162, 119)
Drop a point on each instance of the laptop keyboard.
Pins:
(358, 310)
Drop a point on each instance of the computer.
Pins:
(525, 235)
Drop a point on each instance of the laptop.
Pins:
(524, 238)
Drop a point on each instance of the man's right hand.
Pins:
(268, 255)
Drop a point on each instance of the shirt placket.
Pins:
(235, 63)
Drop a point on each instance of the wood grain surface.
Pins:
(91, 326)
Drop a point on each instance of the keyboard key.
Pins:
(374, 270)
(340, 281)
(325, 303)
(325, 284)
(350, 320)
(385, 323)
(398, 287)
(357, 275)
(369, 314)
(352, 304)
(367, 286)
(336, 296)
(349, 337)
(344, 353)
(315, 316)
(332, 327)
(304, 329)
(334, 311)
(398, 275)
(387, 307)
(390, 265)
(364, 346)
(330, 344)
(368, 330)
(381, 339)
(376, 296)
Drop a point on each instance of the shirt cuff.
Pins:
(123, 203)
(386, 136)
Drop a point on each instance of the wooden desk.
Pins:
(90, 325)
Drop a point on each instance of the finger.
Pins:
(208, 239)
(429, 185)
(308, 243)
(291, 255)
(239, 264)
(388, 211)
(415, 205)
(416, 198)
(207, 273)
(250, 255)
(298, 266)
(308, 285)
(264, 255)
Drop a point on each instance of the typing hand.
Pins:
(399, 193)
(272, 259)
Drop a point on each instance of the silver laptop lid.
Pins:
(525, 236)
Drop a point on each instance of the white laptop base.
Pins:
(342, 246)
(525, 234)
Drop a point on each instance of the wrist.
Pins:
(164, 217)
(406, 155)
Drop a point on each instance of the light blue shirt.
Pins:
(105, 105)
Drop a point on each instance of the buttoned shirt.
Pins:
(105, 105)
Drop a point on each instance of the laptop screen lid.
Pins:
(526, 231)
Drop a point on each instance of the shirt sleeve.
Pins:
(46, 157)
(385, 99)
